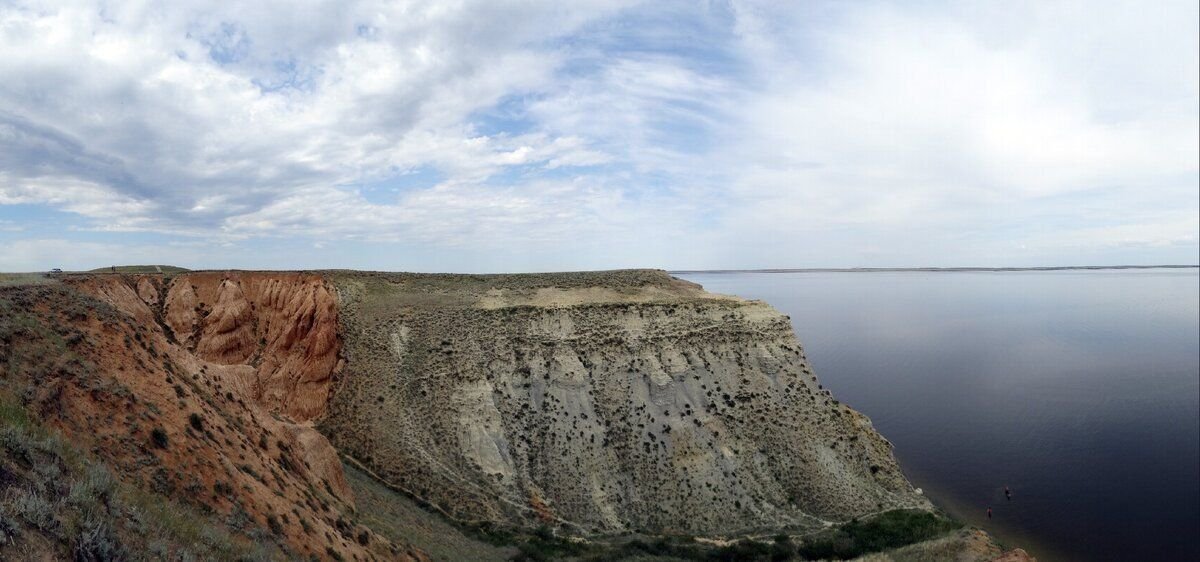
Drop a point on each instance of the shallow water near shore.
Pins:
(1080, 390)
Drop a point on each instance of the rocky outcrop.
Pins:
(284, 324)
(230, 368)
(604, 402)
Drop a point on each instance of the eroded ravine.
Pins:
(234, 367)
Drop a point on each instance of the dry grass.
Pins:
(59, 503)
(401, 520)
(141, 269)
(19, 279)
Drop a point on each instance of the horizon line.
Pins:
(932, 269)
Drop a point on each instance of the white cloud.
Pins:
(747, 134)
(77, 196)
(197, 105)
(40, 254)
(959, 123)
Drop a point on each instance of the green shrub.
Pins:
(9, 529)
(158, 436)
(97, 542)
(222, 488)
(196, 421)
(250, 470)
(889, 530)
(35, 510)
(17, 442)
(238, 518)
(12, 413)
(782, 548)
(742, 550)
(543, 545)
(487, 532)
(97, 484)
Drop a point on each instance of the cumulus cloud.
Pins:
(205, 113)
(710, 134)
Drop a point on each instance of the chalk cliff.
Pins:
(606, 402)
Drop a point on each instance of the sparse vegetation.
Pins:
(392, 515)
(886, 531)
(158, 436)
(544, 545)
(31, 506)
(196, 422)
(97, 542)
(889, 530)
(141, 269)
(222, 488)
(83, 512)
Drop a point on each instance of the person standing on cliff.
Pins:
(989, 512)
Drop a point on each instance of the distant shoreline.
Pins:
(930, 269)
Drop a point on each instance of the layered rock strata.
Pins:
(204, 386)
(605, 402)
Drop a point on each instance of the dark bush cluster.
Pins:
(887, 531)
(158, 436)
(196, 421)
(890, 530)
(97, 543)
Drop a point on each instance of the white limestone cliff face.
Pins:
(606, 402)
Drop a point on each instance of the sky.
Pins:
(490, 136)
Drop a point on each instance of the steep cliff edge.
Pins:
(613, 406)
(283, 324)
(604, 402)
(198, 387)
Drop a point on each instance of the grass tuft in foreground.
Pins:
(58, 503)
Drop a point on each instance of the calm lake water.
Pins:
(1080, 390)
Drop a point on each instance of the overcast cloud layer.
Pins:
(493, 136)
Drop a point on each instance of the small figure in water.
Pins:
(989, 512)
(1008, 493)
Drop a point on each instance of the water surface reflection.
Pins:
(1078, 389)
